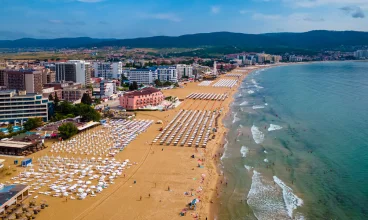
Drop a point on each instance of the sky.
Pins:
(143, 18)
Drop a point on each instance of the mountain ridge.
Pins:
(317, 39)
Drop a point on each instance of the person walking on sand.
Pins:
(140, 198)
(149, 195)
(168, 188)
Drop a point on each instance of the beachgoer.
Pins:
(149, 195)
(168, 188)
(140, 198)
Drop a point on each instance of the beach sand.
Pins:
(159, 167)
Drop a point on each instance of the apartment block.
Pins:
(108, 70)
(22, 106)
(27, 80)
(74, 70)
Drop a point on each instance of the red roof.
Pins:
(144, 91)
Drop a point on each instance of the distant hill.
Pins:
(308, 40)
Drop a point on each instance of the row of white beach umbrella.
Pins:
(225, 83)
(207, 96)
(116, 136)
(182, 125)
(234, 75)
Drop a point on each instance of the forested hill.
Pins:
(308, 40)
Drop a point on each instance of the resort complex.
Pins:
(105, 158)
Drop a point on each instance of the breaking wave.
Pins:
(244, 151)
(258, 136)
(258, 106)
(291, 200)
(274, 127)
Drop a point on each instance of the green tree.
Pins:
(158, 83)
(123, 78)
(167, 83)
(131, 88)
(176, 84)
(67, 130)
(87, 112)
(141, 85)
(66, 108)
(135, 85)
(10, 128)
(86, 99)
(32, 123)
(97, 101)
(51, 97)
(56, 100)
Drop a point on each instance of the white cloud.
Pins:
(244, 11)
(301, 22)
(163, 16)
(316, 3)
(215, 9)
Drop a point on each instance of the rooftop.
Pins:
(144, 91)
(9, 191)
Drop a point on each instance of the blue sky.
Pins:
(142, 18)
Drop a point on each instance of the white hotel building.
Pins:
(167, 73)
(22, 106)
(108, 70)
(184, 70)
(149, 75)
(142, 76)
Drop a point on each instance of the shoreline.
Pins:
(214, 207)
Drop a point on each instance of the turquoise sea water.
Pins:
(298, 144)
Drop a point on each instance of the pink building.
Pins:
(138, 99)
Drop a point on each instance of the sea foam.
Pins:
(248, 167)
(235, 119)
(258, 136)
(258, 106)
(244, 103)
(250, 91)
(291, 200)
(265, 199)
(225, 149)
(265, 160)
(274, 127)
(244, 151)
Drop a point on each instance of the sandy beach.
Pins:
(163, 173)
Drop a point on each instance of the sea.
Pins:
(297, 146)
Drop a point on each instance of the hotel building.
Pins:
(142, 76)
(108, 70)
(184, 71)
(27, 80)
(74, 70)
(167, 73)
(141, 98)
(22, 106)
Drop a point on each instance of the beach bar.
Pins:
(19, 148)
(12, 195)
